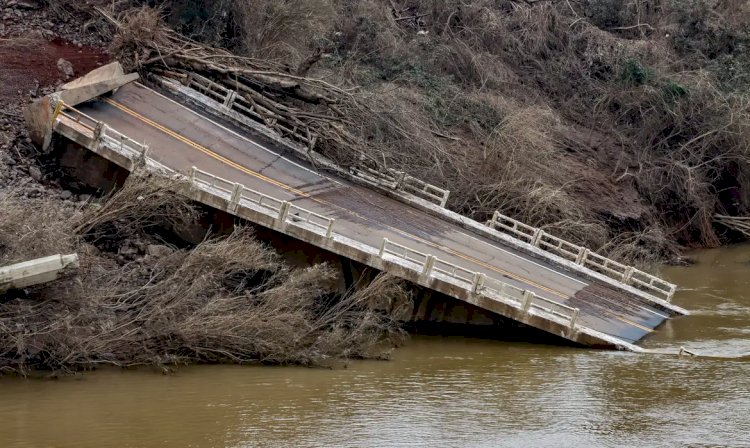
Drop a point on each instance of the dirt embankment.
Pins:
(621, 125)
(38, 52)
(33, 40)
(30, 65)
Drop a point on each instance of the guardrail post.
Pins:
(478, 282)
(229, 99)
(283, 212)
(234, 200)
(145, 150)
(583, 254)
(574, 318)
(98, 130)
(382, 248)
(192, 175)
(400, 181)
(492, 223)
(429, 263)
(58, 108)
(537, 237)
(627, 275)
(329, 230)
(528, 297)
(670, 294)
(445, 198)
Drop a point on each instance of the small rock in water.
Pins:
(84, 197)
(66, 194)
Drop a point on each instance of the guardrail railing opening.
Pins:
(582, 256)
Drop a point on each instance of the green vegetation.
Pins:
(635, 74)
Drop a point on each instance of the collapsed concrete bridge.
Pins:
(202, 132)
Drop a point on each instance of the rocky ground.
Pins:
(39, 50)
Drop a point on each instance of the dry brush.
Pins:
(229, 299)
(593, 119)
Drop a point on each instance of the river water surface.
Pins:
(435, 392)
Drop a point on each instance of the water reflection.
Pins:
(436, 391)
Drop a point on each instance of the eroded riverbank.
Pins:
(435, 391)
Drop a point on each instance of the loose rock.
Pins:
(35, 173)
(158, 250)
(66, 68)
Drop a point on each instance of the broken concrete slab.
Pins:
(34, 272)
(38, 116)
(103, 73)
(41, 114)
(96, 82)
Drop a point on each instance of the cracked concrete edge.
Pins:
(35, 272)
(39, 115)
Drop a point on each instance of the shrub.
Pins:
(635, 74)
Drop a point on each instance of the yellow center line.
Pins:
(291, 189)
(637, 325)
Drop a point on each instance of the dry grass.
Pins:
(590, 118)
(25, 235)
(284, 31)
(227, 299)
(550, 77)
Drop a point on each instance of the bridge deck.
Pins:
(181, 138)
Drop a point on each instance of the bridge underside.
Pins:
(354, 222)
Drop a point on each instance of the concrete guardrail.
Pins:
(585, 257)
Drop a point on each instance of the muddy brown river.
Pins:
(435, 392)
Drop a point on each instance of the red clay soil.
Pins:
(25, 64)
